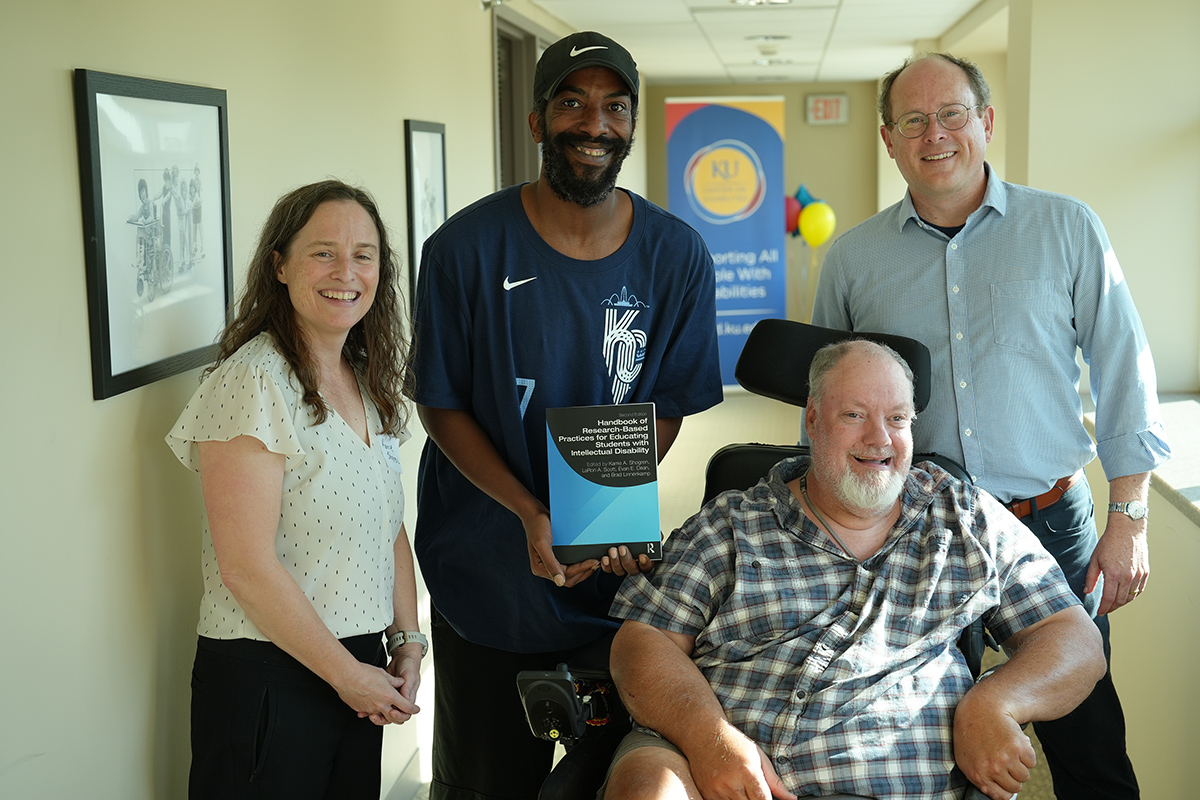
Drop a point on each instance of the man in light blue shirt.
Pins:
(1003, 283)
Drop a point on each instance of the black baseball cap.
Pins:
(579, 50)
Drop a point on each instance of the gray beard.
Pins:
(869, 497)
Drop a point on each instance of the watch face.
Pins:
(1134, 509)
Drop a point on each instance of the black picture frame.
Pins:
(159, 279)
(425, 174)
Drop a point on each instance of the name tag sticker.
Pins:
(391, 451)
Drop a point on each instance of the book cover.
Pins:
(603, 469)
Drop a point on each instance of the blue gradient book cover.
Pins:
(603, 472)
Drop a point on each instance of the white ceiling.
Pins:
(719, 41)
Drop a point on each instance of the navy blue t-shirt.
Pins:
(507, 327)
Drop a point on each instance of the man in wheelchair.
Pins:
(798, 638)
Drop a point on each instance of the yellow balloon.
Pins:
(817, 222)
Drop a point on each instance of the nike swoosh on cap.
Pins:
(508, 285)
(577, 51)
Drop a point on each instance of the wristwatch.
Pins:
(1134, 509)
(404, 637)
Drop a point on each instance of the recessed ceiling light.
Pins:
(771, 62)
(768, 37)
(760, 2)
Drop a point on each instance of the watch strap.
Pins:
(404, 637)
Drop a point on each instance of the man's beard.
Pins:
(592, 186)
(870, 494)
(866, 495)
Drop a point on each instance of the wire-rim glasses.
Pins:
(952, 117)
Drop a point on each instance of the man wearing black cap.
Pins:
(560, 292)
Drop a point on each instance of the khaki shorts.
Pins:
(636, 739)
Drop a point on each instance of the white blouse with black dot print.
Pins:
(342, 506)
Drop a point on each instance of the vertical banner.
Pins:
(725, 179)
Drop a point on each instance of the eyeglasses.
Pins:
(952, 117)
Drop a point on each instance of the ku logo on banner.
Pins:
(725, 182)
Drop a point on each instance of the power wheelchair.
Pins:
(577, 704)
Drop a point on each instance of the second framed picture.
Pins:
(425, 148)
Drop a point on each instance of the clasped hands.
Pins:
(387, 696)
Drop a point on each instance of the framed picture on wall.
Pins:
(154, 179)
(425, 147)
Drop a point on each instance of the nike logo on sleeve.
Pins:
(510, 285)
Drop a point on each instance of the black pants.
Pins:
(482, 746)
(264, 726)
(1086, 748)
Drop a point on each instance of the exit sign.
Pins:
(827, 109)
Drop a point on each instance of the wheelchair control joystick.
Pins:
(561, 707)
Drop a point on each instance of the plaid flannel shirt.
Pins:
(847, 674)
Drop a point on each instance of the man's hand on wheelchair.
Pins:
(735, 768)
(992, 751)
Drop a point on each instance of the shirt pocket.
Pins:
(769, 601)
(1027, 315)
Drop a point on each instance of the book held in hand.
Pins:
(603, 469)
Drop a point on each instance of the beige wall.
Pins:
(1115, 120)
(99, 572)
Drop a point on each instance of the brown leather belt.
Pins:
(1023, 508)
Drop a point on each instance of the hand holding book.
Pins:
(620, 561)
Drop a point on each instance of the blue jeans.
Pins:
(1086, 748)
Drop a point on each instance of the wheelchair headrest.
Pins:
(778, 352)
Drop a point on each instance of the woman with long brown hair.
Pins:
(295, 433)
